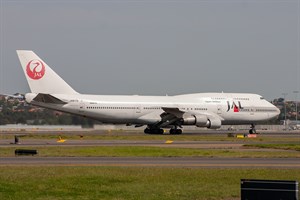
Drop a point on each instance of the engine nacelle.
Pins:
(189, 120)
(197, 120)
(214, 123)
(202, 121)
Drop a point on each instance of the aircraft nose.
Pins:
(275, 113)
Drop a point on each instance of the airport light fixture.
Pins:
(296, 102)
(284, 96)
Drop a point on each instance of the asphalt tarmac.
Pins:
(191, 162)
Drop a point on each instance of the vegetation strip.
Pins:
(121, 183)
(142, 136)
(295, 147)
(138, 151)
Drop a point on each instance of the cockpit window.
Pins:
(262, 98)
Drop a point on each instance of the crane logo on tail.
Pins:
(35, 69)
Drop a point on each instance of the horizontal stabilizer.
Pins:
(47, 98)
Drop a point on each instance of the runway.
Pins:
(191, 162)
(149, 143)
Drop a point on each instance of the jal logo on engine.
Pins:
(35, 69)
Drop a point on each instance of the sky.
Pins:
(156, 47)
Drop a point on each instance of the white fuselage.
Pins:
(231, 108)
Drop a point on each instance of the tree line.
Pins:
(18, 112)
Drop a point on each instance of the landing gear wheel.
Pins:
(172, 131)
(175, 131)
(147, 131)
(252, 129)
(154, 131)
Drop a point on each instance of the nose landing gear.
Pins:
(252, 129)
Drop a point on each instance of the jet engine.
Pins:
(202, 121)
(214, 123)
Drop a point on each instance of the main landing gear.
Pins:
(154, 131)
(252, 129)
(173, 131)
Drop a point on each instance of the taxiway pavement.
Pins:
(193, 162)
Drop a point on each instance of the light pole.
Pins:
(284, 96)
(296, 93)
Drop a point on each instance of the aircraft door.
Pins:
(252, 110)
(219, 109)
(138, 109)
(81, 107)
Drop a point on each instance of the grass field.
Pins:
(139, 151)
(119, 183)
(263, 138)
(295, 147)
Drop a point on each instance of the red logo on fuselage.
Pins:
(35, 69)
(234, 106)
(236, 109)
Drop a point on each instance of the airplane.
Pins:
(210, 110)
(17, 96)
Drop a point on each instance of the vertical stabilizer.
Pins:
(40, 77)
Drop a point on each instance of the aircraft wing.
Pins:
(170, 116)
(158, 118)
(175, 116)
(174, 111)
